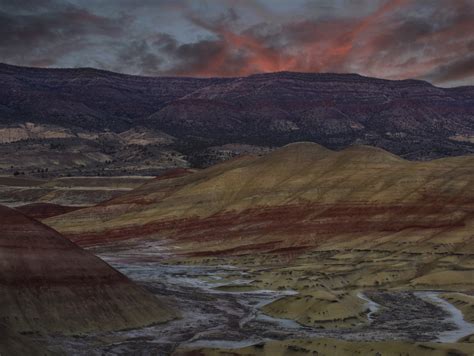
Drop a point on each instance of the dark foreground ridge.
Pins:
(50, 285)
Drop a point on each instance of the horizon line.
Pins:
(231, 77)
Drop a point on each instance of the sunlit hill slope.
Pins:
(299, 197)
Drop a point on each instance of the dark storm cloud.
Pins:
(26, 30)
(19, 28)
(190, 58)
(36, 32)
(427, 39)
(458, 71)
(138, 54)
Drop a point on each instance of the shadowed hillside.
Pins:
(49, 285)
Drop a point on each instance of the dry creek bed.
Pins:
(215, 318)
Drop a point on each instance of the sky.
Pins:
(431, 40)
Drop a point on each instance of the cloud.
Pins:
(460, 70)
(392, 41)
(385, 38)
(140, 56)
(49, 29)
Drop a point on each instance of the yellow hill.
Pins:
(336, 222)
(301, 194)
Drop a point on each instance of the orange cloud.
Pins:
(389, 43)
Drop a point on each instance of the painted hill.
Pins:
(300, 197)
(50, 285)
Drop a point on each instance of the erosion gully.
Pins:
(211, 317)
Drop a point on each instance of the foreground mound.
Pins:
(48, 284)
(44, 210)
(14, 344)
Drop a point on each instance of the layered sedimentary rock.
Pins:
(297, 198)
(47, 196)
(50, 285)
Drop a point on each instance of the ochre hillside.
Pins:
(301, 196)
(48, 284)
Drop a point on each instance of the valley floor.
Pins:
(222, 307)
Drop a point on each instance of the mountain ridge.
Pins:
(4, 65)
(74, 107)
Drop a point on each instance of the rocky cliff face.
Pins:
(410, 118)
(50, 285)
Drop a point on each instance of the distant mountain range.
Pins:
(410, 118)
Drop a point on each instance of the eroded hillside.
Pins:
(301, 243)
(51, 286)
(401, 222)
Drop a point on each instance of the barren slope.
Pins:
(298, 197)
(50, 285)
